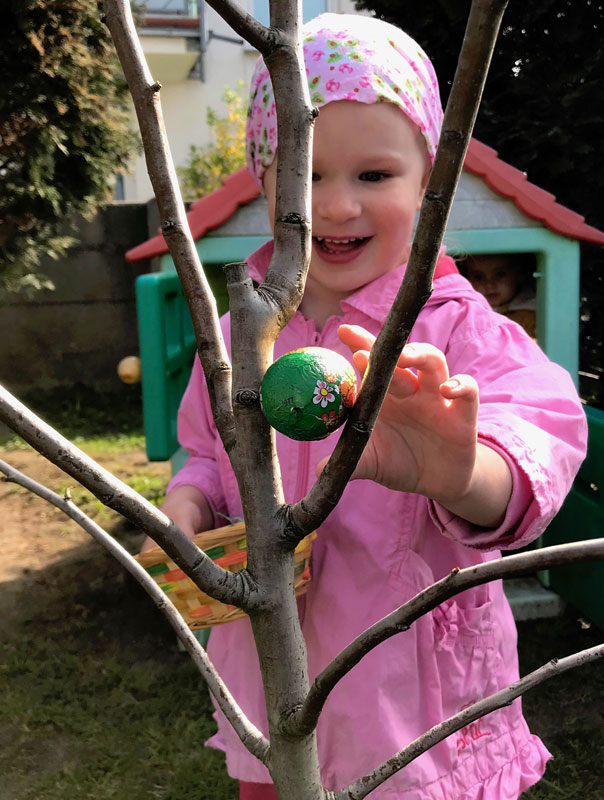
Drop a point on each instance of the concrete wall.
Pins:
(76, 334)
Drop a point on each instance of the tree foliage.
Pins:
(64, 128)
(541, 110)
(207, 166)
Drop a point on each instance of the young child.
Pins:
(505, 280)
(444, 482)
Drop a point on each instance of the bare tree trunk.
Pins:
(247, 732)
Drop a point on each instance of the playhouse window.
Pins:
(507, 280)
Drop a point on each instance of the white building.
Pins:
(194, 54)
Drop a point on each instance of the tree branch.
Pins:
(251, 737)
(475, 56)
(286, 276)
(362, 787)
(174, 225)
(233, 588)
(243, 23)
(257, 316)
(512, 566)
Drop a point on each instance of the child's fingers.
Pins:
(430, 363)
(403, 383)
(463, 391)
(355, 337)
(321, 465)
(360, 359)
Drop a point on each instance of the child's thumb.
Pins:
(321, 465)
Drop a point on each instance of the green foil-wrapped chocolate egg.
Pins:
(308, 393)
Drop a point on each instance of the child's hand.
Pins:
(424, 440)
(189, 509)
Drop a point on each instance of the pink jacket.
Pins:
(380, 547)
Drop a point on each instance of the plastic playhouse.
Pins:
(496, 210)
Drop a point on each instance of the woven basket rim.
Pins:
(181, 589)
(212, 538)
(203, 540)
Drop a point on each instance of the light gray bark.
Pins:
(474, 60)
(293, 737)
(400, 620)
(231, 588)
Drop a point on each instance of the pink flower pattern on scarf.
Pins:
(350, 57)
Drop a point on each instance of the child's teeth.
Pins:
(330, 245)
(337, 241)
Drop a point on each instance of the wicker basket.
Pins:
(227, 547)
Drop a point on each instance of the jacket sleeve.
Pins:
(531, 414)
(199, 437)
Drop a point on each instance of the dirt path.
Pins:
(35, 536)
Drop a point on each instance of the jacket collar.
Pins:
(375, 299)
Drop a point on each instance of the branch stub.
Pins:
(293, 219)
(247, 397)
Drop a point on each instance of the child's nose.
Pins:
(337, 204)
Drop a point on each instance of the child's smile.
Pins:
(370, 168)
(339, 251)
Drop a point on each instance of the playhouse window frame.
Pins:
(557, 282)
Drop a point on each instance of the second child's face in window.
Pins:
(496, 277)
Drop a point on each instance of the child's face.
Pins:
(496, 277)
(370, 169)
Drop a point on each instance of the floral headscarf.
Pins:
(350, 57)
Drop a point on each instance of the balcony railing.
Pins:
(172, 8)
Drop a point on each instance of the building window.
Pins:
(310, 9)
(119, 193)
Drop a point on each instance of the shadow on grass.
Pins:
(567, 712)
(78, 411)
(97, 702)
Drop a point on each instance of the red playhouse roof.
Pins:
(207, 213)
(530, 199)
(215, 209)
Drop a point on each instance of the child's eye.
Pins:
(373, 177)
(315, 177)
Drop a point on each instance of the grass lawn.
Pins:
(96, 701)
(567, 711)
